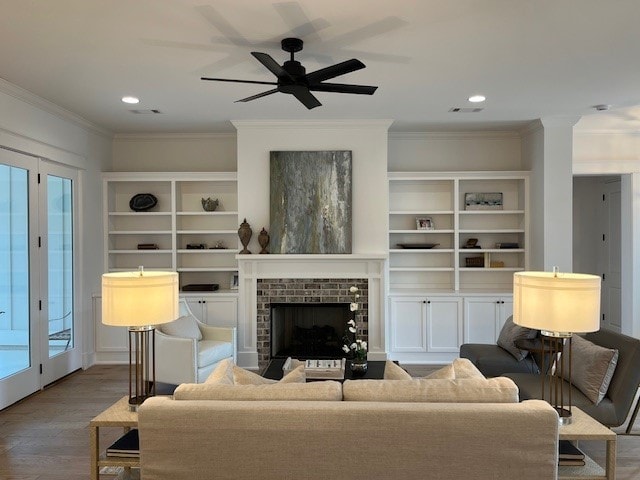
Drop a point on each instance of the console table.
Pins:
(583, 427)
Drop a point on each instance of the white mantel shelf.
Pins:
(251, 268)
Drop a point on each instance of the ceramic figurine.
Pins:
(245, 232)
(263, 240)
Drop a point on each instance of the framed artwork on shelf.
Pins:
(483, 201)
(424, 223)
(233, 284)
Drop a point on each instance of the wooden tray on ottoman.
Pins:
(317, 369)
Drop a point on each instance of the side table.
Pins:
(117, 415)
(583, 427)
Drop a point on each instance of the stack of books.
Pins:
(126, 446)
(569, 454)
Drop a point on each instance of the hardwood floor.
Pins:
(46, 436)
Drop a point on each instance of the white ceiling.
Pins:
(531, 58)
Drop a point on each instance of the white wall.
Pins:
(586, 231)
(174, 153)
(451, 152)
(32, 125)
(366, 139)
(598, 153)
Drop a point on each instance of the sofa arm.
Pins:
(176, 359)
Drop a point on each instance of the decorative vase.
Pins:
(245, 232)
(263, 240)
(209, 204)
(359, 367)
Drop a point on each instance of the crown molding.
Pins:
(606, 132)
(338, 124)
(497, 134)
(153, 137)
(50, 107)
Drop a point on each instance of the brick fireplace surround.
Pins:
(302, 278)
(305, 290)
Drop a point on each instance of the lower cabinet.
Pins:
(484, 318)
(425, 324)
(431, 328)
(214, 310)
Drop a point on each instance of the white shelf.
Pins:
(139, 214)
(140, 232)
(212, 214)
(209, 250)
(207, 269)
(421, 212)
(206, 232)
(141, 251)
(421, 250)
(441, 195)
(421, 231)
(491, 212)
(180, 219)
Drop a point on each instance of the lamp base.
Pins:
(564, 416)
(135, 402)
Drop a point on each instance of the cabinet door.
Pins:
(221, 312)
(444, 324)
(506, 310)
(196, 306)
(481, 319)
(408, 324)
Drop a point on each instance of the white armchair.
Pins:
(188, 350)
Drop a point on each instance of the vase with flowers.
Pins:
(352, 344)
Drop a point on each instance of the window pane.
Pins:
(60, 241)
(14, 270)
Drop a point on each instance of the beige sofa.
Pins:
(420, 433)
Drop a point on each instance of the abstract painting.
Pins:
(310, 202)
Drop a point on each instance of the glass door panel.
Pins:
(15, 344)
(19, 375)
(60, 259)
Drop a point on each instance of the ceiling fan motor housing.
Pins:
(291, 45)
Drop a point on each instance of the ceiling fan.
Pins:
(293, 79)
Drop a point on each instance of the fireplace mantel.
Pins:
(253, 267)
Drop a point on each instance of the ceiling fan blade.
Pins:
(259, 95)
(273, 66)
(343, 88)
(237, 81)
(334, 71)
(305, 96)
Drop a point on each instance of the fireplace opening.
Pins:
(308, 330)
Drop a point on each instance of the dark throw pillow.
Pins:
(510, 333)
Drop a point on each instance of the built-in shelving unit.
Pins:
(176, 222)
(439, 198)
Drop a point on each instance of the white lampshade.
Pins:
(136, 299)
(557, 302)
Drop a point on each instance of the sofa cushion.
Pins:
(465, 390)
(212, 351)
(593, 368)
(245, 377)
(393, 371)
(183, 327)
(463, 368)
(222, 374)
(323, 391)
(510, 333)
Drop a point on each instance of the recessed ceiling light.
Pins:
(130, 100)
(477, 98)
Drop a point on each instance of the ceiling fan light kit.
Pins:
(293, 79)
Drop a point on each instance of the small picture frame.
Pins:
(424, 223)
(233, 284)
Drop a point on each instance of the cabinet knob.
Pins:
(424, 301)
(428, 301)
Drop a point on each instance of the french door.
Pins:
(39, 333)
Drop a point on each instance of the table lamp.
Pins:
(559, 305)
(140, 300)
